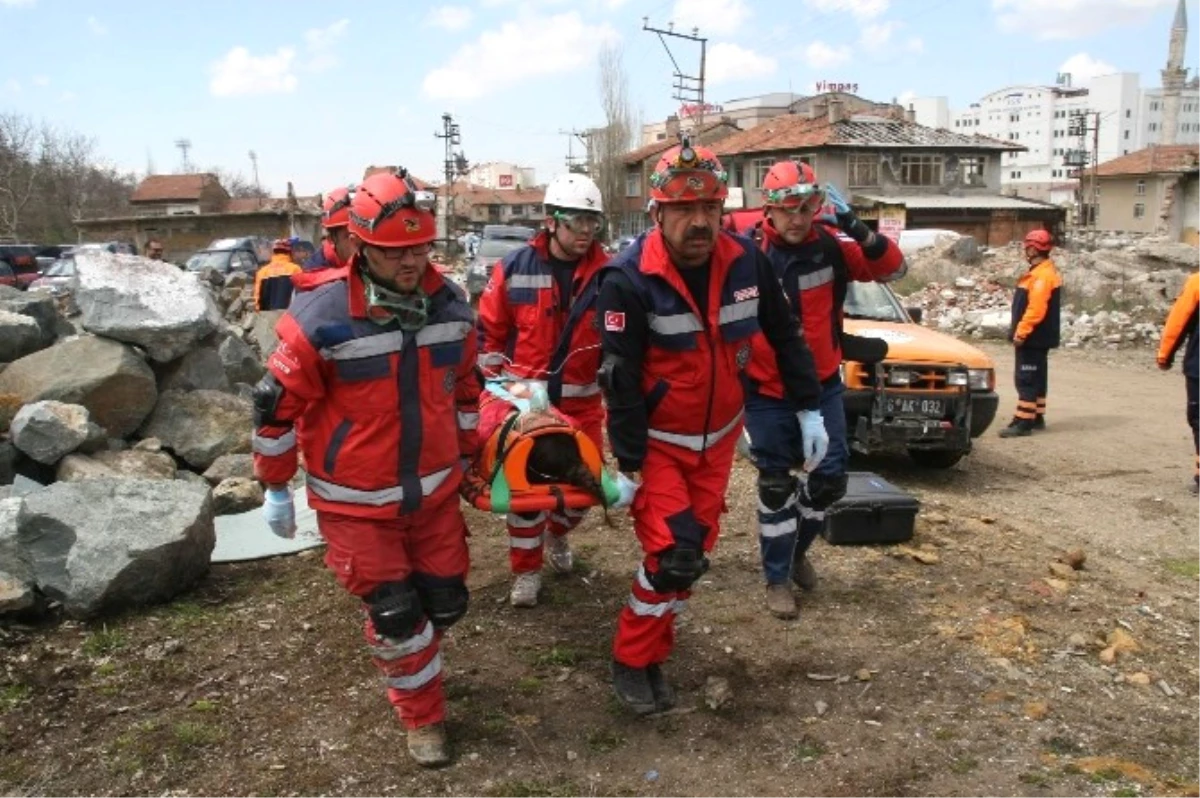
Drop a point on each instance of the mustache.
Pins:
(698, 233)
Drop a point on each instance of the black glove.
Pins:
(679, 567)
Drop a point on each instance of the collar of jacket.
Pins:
(656, 260)
(587, 265)
(330, 255)
(431, 283)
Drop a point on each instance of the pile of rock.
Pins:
(135, 412)
(1117, 291)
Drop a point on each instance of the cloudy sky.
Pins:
(320, 90)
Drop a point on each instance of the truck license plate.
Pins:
(914, 406)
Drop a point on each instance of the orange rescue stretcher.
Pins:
(498, 481)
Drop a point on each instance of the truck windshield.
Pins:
(873, 301)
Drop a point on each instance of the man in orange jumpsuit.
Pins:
(1035, 331)
(1180, 332)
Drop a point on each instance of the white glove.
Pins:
(279, 510)
(627, 489)
(816, 439)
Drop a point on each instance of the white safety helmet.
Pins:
(574, 192)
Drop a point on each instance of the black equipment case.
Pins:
(872, 511)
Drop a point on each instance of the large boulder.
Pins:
(19, 336)
(47, 430)
(8, 462)
(138, 464)
(77, 467)
(262, 331)
(239, 361)
(1182, 256)
(35, 305)
(16, 575)
(104, 544)
(201, 426)
(108, 378)
(228, 466)
(237, 495)
(200, 369)
(149, 303)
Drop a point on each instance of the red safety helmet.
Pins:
(1041, 240)
(388, 210)
(282, 245)
(688, 174)
(336, 210)
(790, 183)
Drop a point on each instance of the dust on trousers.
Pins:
(1032, 382)
(411, 574)
(678, 503)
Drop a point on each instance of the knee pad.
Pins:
(444, 599)
(679, 567)
(775, 490)
(395, 610)
(822, 491)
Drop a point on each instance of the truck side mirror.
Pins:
(916, 314)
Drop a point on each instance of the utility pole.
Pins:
(1080, 124)
(184, 145)
(257, 187)
(577, 164)
(688, 88)
(454, 165)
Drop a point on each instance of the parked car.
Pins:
(7, 276)
(21, 260)
(115, 247)
(56, 276)
(501, 241)
(258, 246)
(224, 261)
(929, 398)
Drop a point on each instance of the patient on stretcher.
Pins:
(535, 457)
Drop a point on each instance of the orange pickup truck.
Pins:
(929, 398)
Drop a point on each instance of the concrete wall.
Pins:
(183, 235)
(1119, 195)
(1188, 207)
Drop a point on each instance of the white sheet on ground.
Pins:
(246, 536)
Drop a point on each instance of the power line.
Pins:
(687, 87)
(454, 164)
(579, 164)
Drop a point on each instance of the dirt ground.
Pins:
(970, 662)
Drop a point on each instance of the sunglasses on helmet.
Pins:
(800, 192)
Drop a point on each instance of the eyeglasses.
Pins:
(808, 208)
(400, 253)
(580, 222)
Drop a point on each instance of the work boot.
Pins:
(633, 689)
(664, 696)
(1194, 488)
(525, 589)
(780, 601)
(558, 552)
(1039, 422)
(1017, 428)
(803, 574)
(427, 745)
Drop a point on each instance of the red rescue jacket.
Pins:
(527, 331)
(387, 414)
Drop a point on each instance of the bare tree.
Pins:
(237, 184)
(22, 145)
(608, 144)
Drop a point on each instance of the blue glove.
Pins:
(845, 219)
(279, 510)
(840, 206)
(815, 438)
(627, 489)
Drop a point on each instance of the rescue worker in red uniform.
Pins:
(381, 366)
(814, 263)
(336, 248)
(1034, 332)
(680, 310)
(1180, 332)
(536, 322)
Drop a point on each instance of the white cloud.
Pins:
(40, 80)
(876, 35)
(710, 16)
(1083, 68)
(239, 73)
(320, 44)
(1071, 19)
(915, 44)
(863, 9)
(449, 17)
(96, 27)
(821, 55)
(728, 62)
(560, 44)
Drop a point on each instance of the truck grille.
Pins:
(924, 377)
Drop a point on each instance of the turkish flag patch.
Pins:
(614, 321)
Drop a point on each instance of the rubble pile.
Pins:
(125, 426)
(1116, 290)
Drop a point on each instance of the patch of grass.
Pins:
(1126, 792)
(944, 734)
(204, 705)
(495, 722)
(604, 741)
(109, 689)
(963, 765)
(13, 694)
(104, 642)
(533, 787)
(529, 685)
(809, 749)
(1034, 777)
(560, 656)
(1106, 775)
(1061, 745)
(192, 734)
(1183, 567)
(106, 668)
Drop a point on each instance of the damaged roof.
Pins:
(634, 157)
(1172, 158)
(798, 132)
(161, 188)
(972, 201)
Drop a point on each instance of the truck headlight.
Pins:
(901, 377)
(957, 379)
(981, 379)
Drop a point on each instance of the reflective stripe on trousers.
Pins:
(331, 491)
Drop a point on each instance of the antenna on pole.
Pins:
(257, 187)
(576, 164)
(184, 145)
(688, 88)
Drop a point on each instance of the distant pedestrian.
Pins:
(1034, 332)
(273, 282)
(1180, 332)
(154, 249)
